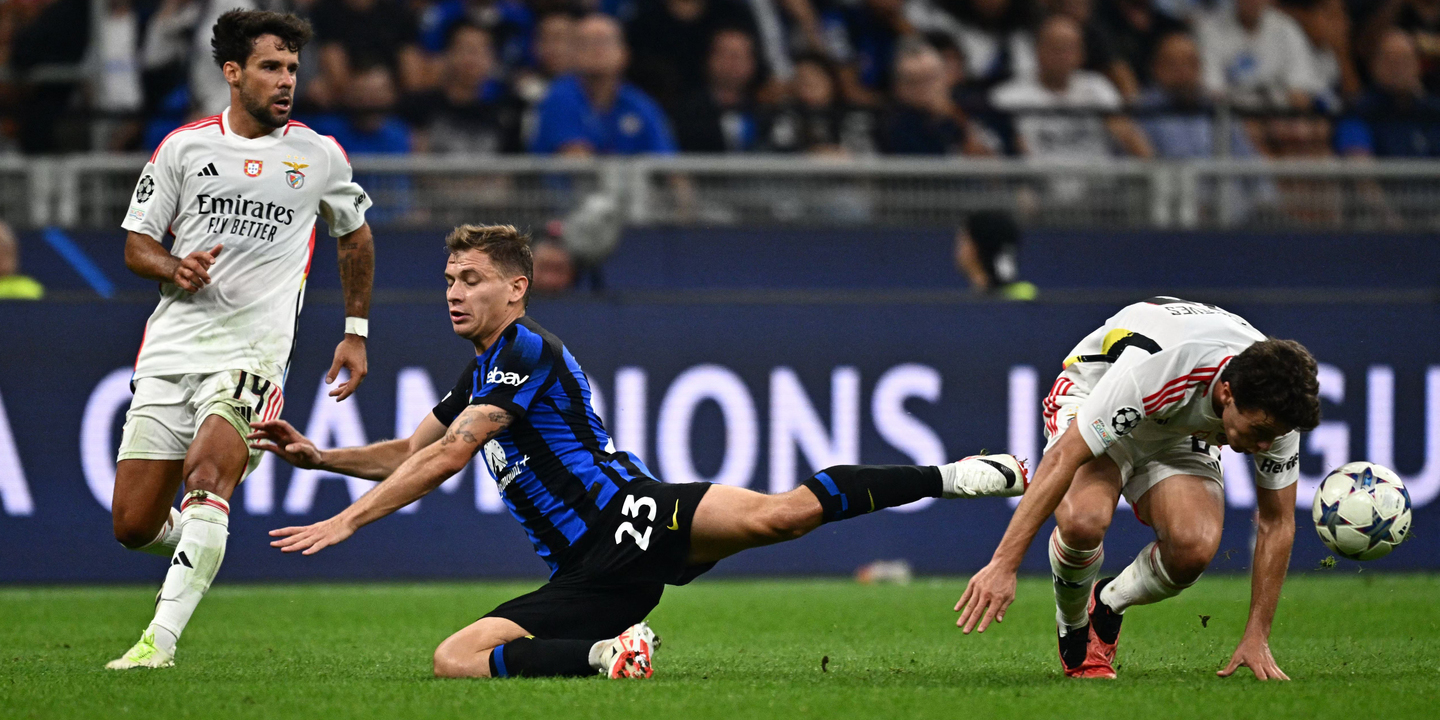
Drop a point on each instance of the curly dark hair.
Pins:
(507, 247)
(1279, 378)
(237, 30)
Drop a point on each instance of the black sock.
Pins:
(528, 657)
(849, 490)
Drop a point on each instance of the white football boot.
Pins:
(143, 655)
(629, 656)
(985, 476)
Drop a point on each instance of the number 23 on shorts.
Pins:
(632, 508)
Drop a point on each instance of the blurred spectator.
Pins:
(370, 125)
(720, 116)
(13, 285)
(987, 251)
(1100, 56)
(511, 25)
(1059, 110)
(554, 268)
(352, 34)
(1257, 57)
(862, 37)
(594, 111)
(1134, 29)
(1327, 28)
(57, 36)
(115, 77)
(924, 119)
(815, 120)
(994, 35)
(472, 111)
(1177, 116)
(1418, 18)
(671, 41)
(1398, 118)
(552, 49)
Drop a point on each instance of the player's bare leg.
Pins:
(467, 652)
(143, 506)
(494, 647)
(1077, 552)
(1188, 513)
(212, 468)
(730, 519)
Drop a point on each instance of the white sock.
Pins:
(204, 526)
(597, 653)
(165, 543)
(1074, 573)
(1145, 581)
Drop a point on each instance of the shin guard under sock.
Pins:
(1145, 581)
(529, 657)
(1074, 573)
(845, 491)
(204, 527)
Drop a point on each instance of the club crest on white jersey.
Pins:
(246, 318)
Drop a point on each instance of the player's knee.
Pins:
(1081, 527)
(450, 664)
(1189, 555)
(782, 518)
(206, 475)
(132, 529)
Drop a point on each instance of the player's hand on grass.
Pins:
(312, 538)
(1254, 653)
(987, 596)
(193, 272)
(279, 437)
(350, 355)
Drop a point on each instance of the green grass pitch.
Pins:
(1357, 645)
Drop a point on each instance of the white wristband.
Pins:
(357, 326)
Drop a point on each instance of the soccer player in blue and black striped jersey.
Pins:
(613, 535)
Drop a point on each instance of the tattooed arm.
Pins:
(420, 474)
(357, 274)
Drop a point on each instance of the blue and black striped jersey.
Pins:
(555, 464)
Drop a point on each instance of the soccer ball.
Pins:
(1362, 511)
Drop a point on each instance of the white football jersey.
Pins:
(1147, 375)
(259, 198)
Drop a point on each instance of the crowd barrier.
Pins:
(750, 394)
(93, 191)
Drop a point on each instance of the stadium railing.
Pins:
(93, 191)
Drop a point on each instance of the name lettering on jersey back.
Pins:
(505, 378)
(239, 216)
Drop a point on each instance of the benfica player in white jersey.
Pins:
(1141, 408)
(240, 191)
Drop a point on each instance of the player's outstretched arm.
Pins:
(415, 477)
(146, 257)
(1274, 538)
(991, 590)
(357, 276)
(375, 461)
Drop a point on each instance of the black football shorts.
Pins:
(615, 576)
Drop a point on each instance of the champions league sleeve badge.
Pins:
(293, 177)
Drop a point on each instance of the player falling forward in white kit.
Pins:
(240, 191)
(1141, 408)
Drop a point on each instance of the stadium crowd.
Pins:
(1079, 79)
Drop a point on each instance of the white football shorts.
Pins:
(166, 411)
(1143, 465)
